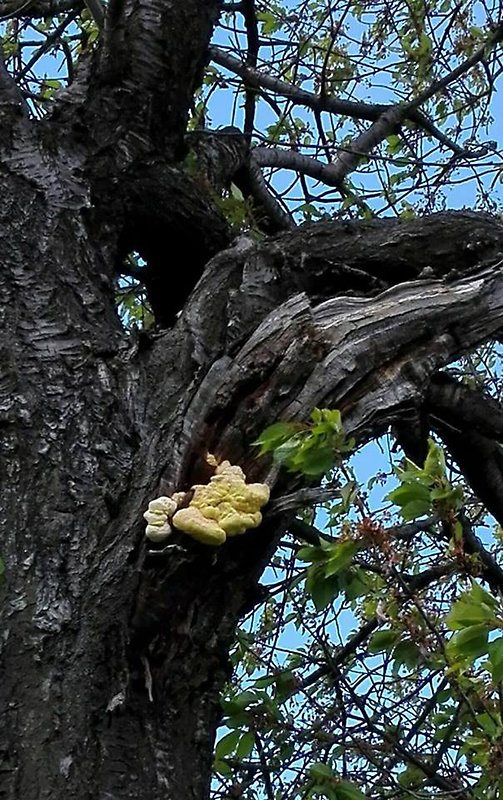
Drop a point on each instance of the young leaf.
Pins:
(312, 554)
(496, 659)
(383, 640)
(274, 436)
(434, 465)
(322, 590)
(227, 744)
(342, 556)
(348, 791)
(245, 746)
(469, 644)
(320, 771)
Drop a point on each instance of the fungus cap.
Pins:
(191, 521)
(158, 533)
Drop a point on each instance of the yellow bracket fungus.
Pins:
(226, 506)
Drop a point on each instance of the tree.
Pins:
(114, 652)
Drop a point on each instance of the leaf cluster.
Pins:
(311, 448)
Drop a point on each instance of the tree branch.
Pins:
(290, 159)
(491, 570)
(355, 110)
(471, 425)
(279, 216)
(250, 18)
(437, 86)
(297, 96)
(13, 106)
(150, 64)
(346, 160)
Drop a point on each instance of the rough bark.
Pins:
(112, 657)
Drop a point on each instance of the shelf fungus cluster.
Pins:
(226, 506)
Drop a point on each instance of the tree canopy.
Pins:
(267, 231)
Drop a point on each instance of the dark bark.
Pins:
(111, 657)
(471, 425)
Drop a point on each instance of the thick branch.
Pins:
(151, 62)
(358, 258)
(346, 161)
(356, 110)
(290, 159)
(471, 425)
(219, 155)
(256, 79)
(13, 107)
(38, 8)
(97, 12)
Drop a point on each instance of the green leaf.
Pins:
(222, 768)
(496, 659)
(434, 464)
(227, 744)
(412, 776)
(263, 683)
(383, 640)
(469, 644)
(342, 556)
(322, 590)
(275, 435)
(408, 653)
(245, 746)
(285, 684)
(320, 771)
(394, 143)
(312, 554)
(415, 509)
(316, 462)
(348, 791)
(240, 701)
(330, 416)
(287, 450)
(270, 22)
(356, 584)
(408, 493)
(488, 724)
(425, 45)
(479, 595)
(471, 610)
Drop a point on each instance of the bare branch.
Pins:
(52, 37)
(298, 96)
(387, 119)
(248, 11)
(262, 194)
(302, 498)
(8, 13)
(291, 159)
(442, 83)
(346, 161)
(38, 8)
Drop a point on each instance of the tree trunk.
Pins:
(112, 657)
